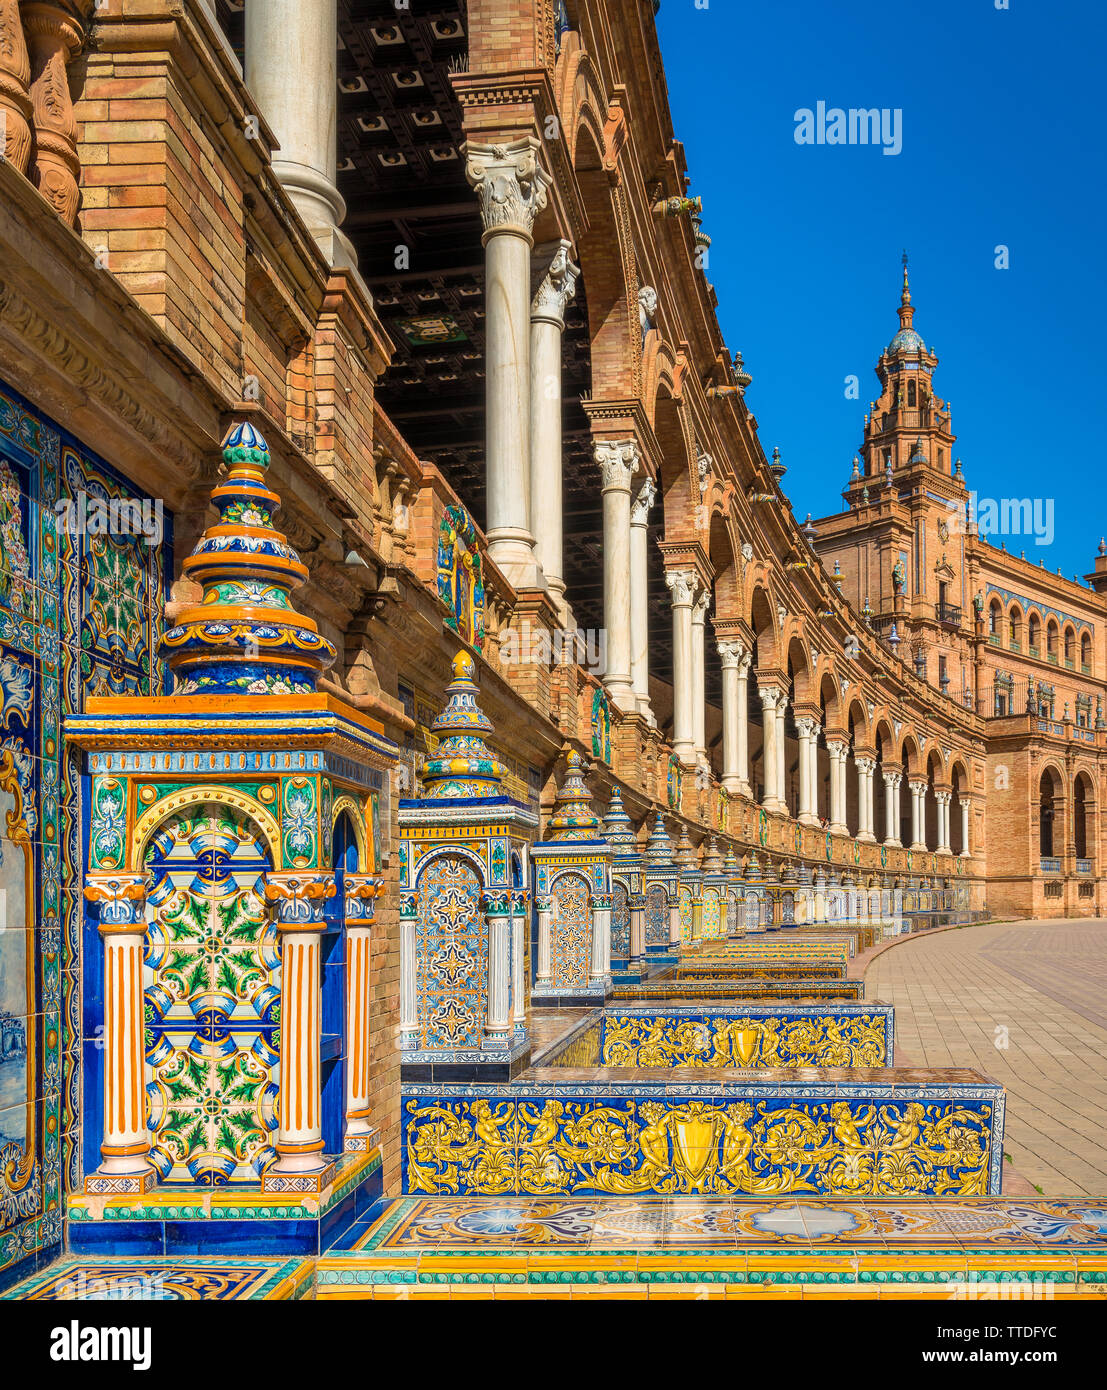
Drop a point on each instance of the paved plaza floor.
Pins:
(1025, 1003)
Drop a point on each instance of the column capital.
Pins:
(893, 779)
(731, 651)
(701, 605)
(360, 892)
(806, 728)
(865, 765)
(510, 183)
(554, 277)
(618, 461)
(771, 696)
(121, 900)
(915, 784)
(837, 748)
(640, 507)
(298, 898)
(682, 585)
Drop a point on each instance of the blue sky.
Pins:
(1003, 144)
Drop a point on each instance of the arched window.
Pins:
(912, 396)
(995, 613)
(1070, 646)
(1034, 634)
(1086, 652)
(1051, 640)
(1047, 809)
(1014, 628)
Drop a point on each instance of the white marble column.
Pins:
(966, 851)
(699, 674)
(543, 977)
(770, 754)
(618, 464)
(918, 792)
(639, 597)
(499, 1022)
(865, 768)
(943, 799)
(512, 189)
(636, 902)
(806, 730)
(292, 73)
(813, 778)
(839, 753)
(892, 782)
(554, 280)
(600, 964)
(125, 1147)
(782, 751)
(732, 654)
(518, 960)
(683, 585)
(409, 1001)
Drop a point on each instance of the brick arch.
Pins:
(762, 621)
(724, 560)
(803, 677)
(579, 96)
(829, 696)
(675, 472)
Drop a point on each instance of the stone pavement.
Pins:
(1025, 1003)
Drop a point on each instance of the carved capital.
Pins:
(618, 463)
(360, 892)
(701, 605)
(120, 900)
(510, 183)
(555, 285)
(299, 898)
(682, 585)
(865, 765)
(640, 507)
(771, 697)
(731, 652)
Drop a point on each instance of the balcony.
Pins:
(993, 639)
(1083, 866)
(1034, 651)
(1051, 866)
(948, 614)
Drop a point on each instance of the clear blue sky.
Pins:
(1004, 140)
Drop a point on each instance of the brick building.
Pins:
(452, 274)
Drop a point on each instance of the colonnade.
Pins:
(527, 290)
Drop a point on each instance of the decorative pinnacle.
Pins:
(573, 817)
(617, 826)
(244, 637)
(462, 766)
(905, 297)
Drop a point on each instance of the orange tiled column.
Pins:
(361, 893)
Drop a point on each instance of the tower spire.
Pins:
(906, 309)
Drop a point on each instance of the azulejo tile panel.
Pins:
(212, 999)
(867, 1136)
(673, 1223)
(749, 1036)
(79, 614)
(139, 1280)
